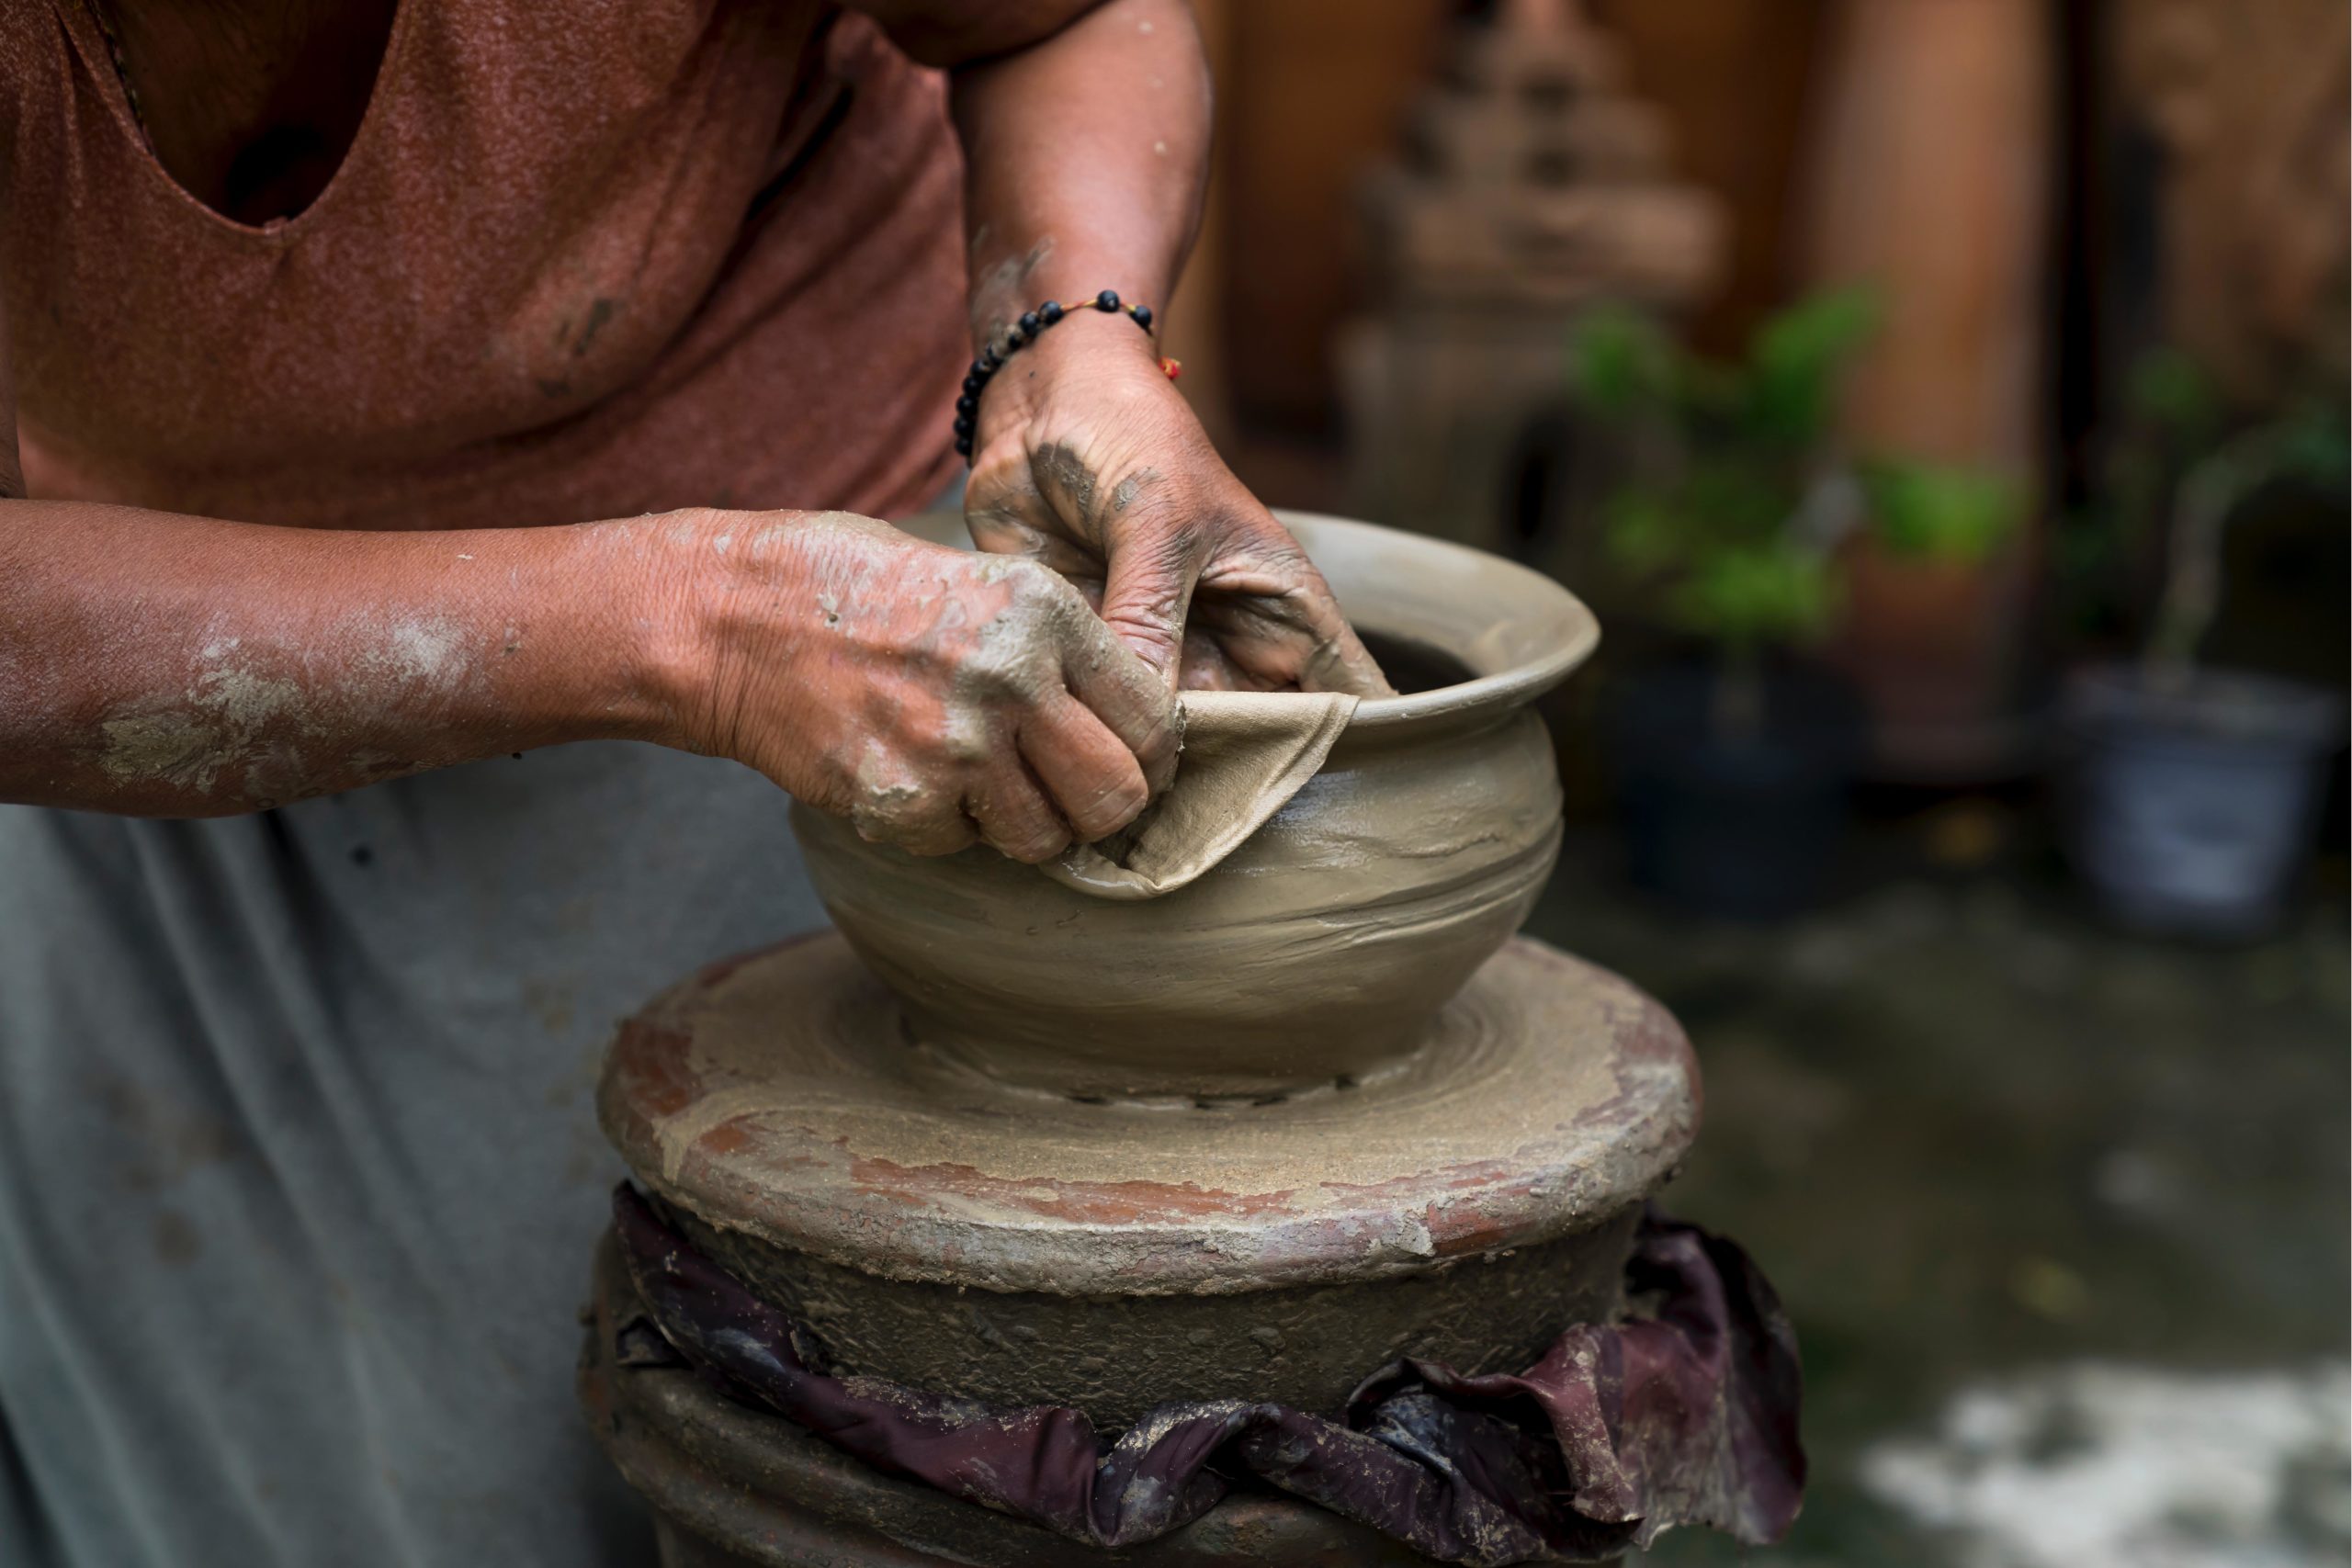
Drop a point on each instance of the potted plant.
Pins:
(1733, 758)
(1733, 519)
(2192, 792)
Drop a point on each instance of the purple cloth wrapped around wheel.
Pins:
(1685, 1414)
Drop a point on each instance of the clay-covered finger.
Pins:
(1275, 617)
(1092, 776)
(1147, 584)
(1013, 814)
(1278, 621)
(1133, 700)
(1338, 661)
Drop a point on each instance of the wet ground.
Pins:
(2061, 1215)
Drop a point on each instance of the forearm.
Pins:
(1086, 157)
(164, 665)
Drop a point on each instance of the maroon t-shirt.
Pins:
(580, 261)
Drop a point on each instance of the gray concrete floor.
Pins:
(2006, 1166)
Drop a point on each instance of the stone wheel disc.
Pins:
(780, 1096)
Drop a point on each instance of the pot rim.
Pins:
(2218, 705)
(1510, 594)
(1521, 589)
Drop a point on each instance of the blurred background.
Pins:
(1944, 404)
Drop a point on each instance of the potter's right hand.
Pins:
(935, 697)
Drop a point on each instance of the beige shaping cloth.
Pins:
(1246, 753)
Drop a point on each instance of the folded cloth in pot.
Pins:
(1246, 753)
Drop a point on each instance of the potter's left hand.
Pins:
(1088, 460)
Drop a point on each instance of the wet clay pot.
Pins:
(1318, 952)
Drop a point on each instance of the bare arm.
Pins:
(1087, 162)
(1085, 125)
(179, 666)
(166, 665)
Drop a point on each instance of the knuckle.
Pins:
(1035, 849)
(1020, 824)
(1115, 808)
(1029, 580)
(1149, 633)
(1274, 542)
(982, 679)
(917, 818)
(971, 732)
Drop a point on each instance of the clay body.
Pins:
(1318, 950)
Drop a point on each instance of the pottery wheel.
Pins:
(935, 1227)
(780, 1096)
(951, 1232)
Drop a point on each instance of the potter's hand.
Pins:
(1088, 460)
(933, 696)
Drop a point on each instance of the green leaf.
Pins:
(1748, 597)
(1939, 513)
(1643, 533)
(2167, 387)
(1706, 526)
(1621, 361)
(1741, 499)
(1798, 359)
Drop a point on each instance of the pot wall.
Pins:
(1317, 950)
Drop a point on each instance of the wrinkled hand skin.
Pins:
(1090, 461)
(935, 697)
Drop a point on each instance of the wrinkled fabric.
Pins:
(289, 1097)
(1246, 753)
(1685, 1414)
(579, 262)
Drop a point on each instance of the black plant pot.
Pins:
(2191, 811)
(1740, 826)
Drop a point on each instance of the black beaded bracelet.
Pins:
(1019, 335)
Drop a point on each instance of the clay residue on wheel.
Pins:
(782, 1099)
